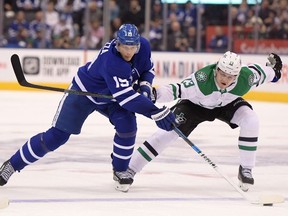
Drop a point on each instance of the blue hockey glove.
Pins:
(164, 118)
(147, 90)
(276, 63)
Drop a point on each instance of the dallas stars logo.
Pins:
(201, 76)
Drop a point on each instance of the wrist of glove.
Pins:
(147, 90)
(164, 118)
(276, 63)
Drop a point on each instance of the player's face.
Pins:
(223, 79)
(126, 51)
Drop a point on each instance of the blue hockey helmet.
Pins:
(128, 35)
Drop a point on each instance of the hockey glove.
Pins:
(276, 63)
(164, 118)
(147, 90)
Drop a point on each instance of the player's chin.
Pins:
(127, 58)
(223, 86)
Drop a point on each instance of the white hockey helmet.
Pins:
(230, 63)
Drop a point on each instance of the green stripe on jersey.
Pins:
(174, 89)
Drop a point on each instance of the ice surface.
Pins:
(76, 180)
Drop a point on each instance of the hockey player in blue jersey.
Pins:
(123, 69)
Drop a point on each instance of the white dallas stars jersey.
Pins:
(200, 87)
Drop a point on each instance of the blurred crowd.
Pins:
(62, 23)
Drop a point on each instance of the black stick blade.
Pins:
(16, 64)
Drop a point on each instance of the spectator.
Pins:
(39, 40)
(95, 36)
(255, 24)
(61, 26)
(95, 10)
(191, 38)
(38, 25)
(114, 10)
(242, 13)
(219, 42)
(177, 11)
(17, 30)
(156, 12)
(67, 41)
(22, 40)
(51, 15)
(115, 25)
(67, 13)
(190, 15)
(78, 15)
(264, 10)
(134, 15)
(29, 7)
(9, 13)
(156, 35)
(176, 39)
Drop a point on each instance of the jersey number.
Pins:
(121, 82)
(188, 83)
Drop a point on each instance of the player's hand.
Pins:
(276, 63)
(164, 118)
(147, 90)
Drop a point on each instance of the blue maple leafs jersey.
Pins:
(110, 74)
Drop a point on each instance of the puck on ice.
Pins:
(268, 204)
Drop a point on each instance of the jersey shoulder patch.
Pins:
(201, 76)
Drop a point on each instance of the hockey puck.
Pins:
(268, 204)
(4, 203)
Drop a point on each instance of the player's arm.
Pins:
(186, 89)
(271, 72)
(133, 101)
(145, 83)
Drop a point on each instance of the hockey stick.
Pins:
(4, 202)
(263, 200)
(15, 61)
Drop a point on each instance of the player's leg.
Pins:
(242, 115)
(123, 146)
(151, 148)
(69, 119)
(187, 114)
(34, 149)
(248, 122)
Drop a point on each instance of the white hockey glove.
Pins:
(276, 63)
(164, 118)
(147, 90)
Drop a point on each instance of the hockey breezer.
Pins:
(15, 61)
(262, 200)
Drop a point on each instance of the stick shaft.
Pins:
(212, 164)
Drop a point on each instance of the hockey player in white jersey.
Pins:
(214, 92)
(122, 64)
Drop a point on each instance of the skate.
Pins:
(6, 171)
(245, 178)
(123, 179)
